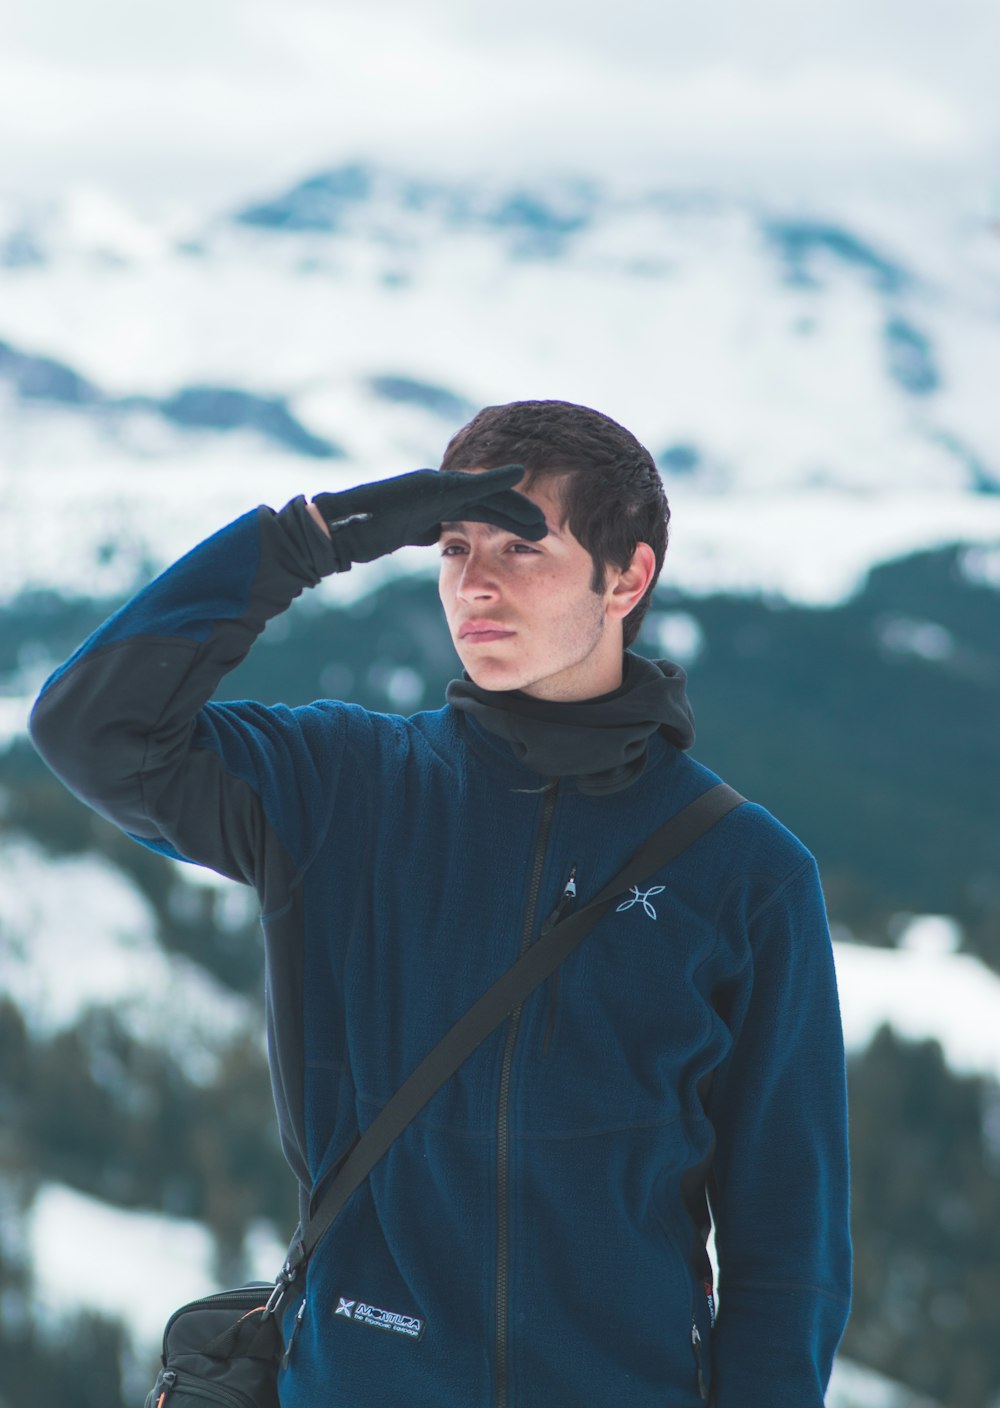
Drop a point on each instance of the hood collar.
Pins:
(601, 742)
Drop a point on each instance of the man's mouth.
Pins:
(481, 632)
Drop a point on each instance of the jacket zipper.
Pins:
(696, 1339)
(503, 1113)
(696, 1342)
(300, 1315)
(566, 900)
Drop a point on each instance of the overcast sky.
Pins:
(210, 101)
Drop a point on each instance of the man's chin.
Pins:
(497, 678)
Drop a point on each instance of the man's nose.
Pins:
(476, 580)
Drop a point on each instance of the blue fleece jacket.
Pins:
(534, 1238)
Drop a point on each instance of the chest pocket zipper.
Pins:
(565, 904)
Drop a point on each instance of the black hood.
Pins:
(601, 742)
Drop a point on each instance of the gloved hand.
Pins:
(408, 510)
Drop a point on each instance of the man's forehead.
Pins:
(491, 530)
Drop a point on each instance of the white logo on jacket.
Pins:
(360, 1312)
(642, 897)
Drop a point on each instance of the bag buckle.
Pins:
(285, 1277)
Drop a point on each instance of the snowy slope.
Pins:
(852, 1386)
(923, 989)
(75, 934)
(816, 384)
(159, 1262)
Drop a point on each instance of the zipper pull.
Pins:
(294, 1331)
(696, 1344)
(167, 1381)
(565, 901)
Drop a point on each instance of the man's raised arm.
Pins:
(126, 722)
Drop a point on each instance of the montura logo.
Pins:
(359, 1312)
(642, 897)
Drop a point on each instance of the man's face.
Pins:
(522, 614)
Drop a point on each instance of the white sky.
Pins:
(211, 100)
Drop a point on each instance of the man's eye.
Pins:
(522, 547)
(450, 549)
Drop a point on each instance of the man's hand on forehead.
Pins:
(408, 510)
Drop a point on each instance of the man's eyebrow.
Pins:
(492, 529)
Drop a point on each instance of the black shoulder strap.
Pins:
(503, 998)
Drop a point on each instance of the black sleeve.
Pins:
(126, 725)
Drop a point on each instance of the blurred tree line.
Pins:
(925, 1154)
(869, 728)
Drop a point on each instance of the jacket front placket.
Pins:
(503, 1112)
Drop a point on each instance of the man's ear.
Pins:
(627, 587)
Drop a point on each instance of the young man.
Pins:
(538, 1229)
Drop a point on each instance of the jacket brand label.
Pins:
(364, 1314)
(642, 897)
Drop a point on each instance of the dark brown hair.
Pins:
(611, 491)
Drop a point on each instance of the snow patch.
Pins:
(136, 1266)
(678, 635)
(926, 639)
(75, 934)
(812, 548)
(931, 934)
(852, 1386)
(923, 990)
(94, 220)
(14, 711)
(981, 565)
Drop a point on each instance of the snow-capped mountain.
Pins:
(825, 375)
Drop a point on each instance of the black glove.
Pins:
(408, 510)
